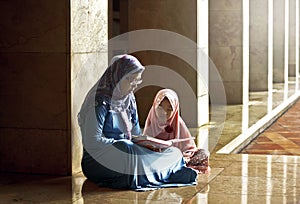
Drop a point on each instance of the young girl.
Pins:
(164, 122)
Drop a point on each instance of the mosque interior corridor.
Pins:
(234, 63)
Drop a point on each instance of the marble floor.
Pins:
(281, 138)
(251, 176)
(235, 178)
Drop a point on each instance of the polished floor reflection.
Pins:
(236, 178)
(244, 122)
(281, 138)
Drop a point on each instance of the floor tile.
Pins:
(282, 137)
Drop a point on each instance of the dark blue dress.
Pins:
(111, 160)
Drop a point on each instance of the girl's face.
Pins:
(166, 106)
(129, 83)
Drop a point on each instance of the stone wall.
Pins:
(34, 87)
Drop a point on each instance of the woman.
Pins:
(164, 122)
(108, 118)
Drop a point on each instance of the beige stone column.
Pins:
(292, 41)
(258, 34)
(179, 17)
(297, 45)
(225, 45)
(278, 46)
(89, 38)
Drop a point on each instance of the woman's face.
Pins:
(166, 106)
(129, 83)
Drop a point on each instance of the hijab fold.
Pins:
(174, 128)
(108, 91)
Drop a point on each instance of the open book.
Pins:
(155, 143)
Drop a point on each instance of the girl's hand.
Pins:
(201, 169)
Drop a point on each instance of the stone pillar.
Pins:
(292, 38)
(34, 87)
(179, 17)
(89, 42)
(225, 45)
(278, 40)
(258, 33)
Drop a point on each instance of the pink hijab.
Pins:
(174, 128)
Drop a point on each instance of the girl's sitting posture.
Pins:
(164, 122)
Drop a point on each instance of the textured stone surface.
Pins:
(34, 26)
(31, 83)
(258, 35)
(34, 87)
(34, 151)
(89, 41)
(278, 47)
(89, 26)
(225, 45)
